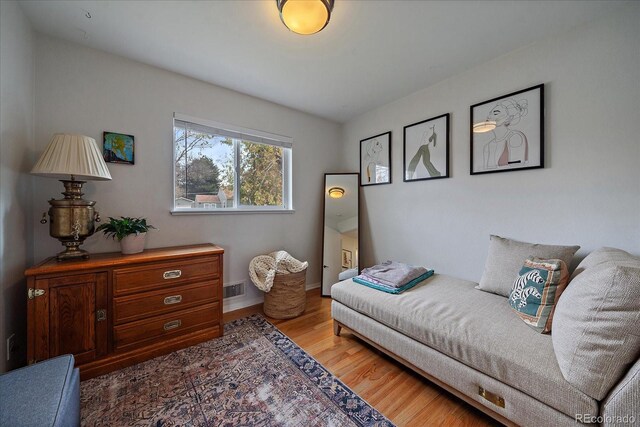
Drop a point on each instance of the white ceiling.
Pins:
(346, 207)
(371, 53)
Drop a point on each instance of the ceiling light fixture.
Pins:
(336, 192)
(482, 127)
(305, 16)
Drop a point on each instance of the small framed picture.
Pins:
(507, 133)
(375, 160)
(426, 149)
(118, 148)
(346, 258)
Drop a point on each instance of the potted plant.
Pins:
(130, 232)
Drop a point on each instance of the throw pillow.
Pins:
(506, 257)
(595, 327)
(536, 291)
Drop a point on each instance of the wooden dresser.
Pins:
(115, 310)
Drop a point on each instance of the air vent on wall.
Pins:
(233, 290)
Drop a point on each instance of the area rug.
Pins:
(252, 376)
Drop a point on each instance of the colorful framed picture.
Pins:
(118, 148)
(346, 258)
(375, 160)
(507, 133)
(426, 149)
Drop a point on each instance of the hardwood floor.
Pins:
(401, 395)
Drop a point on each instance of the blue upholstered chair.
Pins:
(43, 394)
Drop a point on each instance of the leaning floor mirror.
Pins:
(340, 237)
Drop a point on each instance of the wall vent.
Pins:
(233, 290)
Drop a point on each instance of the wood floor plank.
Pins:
(400, 394)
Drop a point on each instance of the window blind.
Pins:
(258, 137)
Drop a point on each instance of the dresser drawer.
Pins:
(154, 276)
(147, 304)
(144, 332)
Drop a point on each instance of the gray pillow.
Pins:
(506, 257)
(595, 326)
(602, 255)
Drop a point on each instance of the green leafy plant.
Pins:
(121, 228)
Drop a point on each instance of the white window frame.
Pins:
(250, 135)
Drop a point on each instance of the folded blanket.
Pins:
(392, 273)
(392, 289)
(263, 268)
(376, 281)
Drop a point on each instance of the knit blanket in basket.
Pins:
(263, 268)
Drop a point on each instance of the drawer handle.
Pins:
(174, 299)
(172, 274)
(172, 325)
(491, 397)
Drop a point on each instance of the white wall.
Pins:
(589, 191)
(87, 91)
(16, 153)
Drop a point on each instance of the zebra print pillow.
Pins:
(536, 291)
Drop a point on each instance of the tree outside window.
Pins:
(209, 166)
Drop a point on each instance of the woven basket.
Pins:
(288, 297)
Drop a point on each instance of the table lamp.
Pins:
(72, 219)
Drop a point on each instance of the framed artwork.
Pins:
(507, 133)
(346, 258)
(375, 160)
(118, 148)
(426, 149)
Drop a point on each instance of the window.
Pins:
(221, 168)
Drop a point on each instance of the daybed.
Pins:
(471, 343)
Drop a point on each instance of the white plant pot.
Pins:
(133, 243)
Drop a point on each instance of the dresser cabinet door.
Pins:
(74, 310)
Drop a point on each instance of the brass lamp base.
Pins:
(72, 251)
(71, 220)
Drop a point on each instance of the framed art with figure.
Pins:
(375, 160)
(426, 149)
(346, 258)
(507, 133)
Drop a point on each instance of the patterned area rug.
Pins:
(253, 376)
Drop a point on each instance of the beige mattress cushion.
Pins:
(477, 328)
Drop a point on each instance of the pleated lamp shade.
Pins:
(72, 155)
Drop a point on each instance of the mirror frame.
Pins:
(324, 197)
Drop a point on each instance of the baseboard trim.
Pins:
(229, 306)
(312, 285)
(242, 303)
(233, 313)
